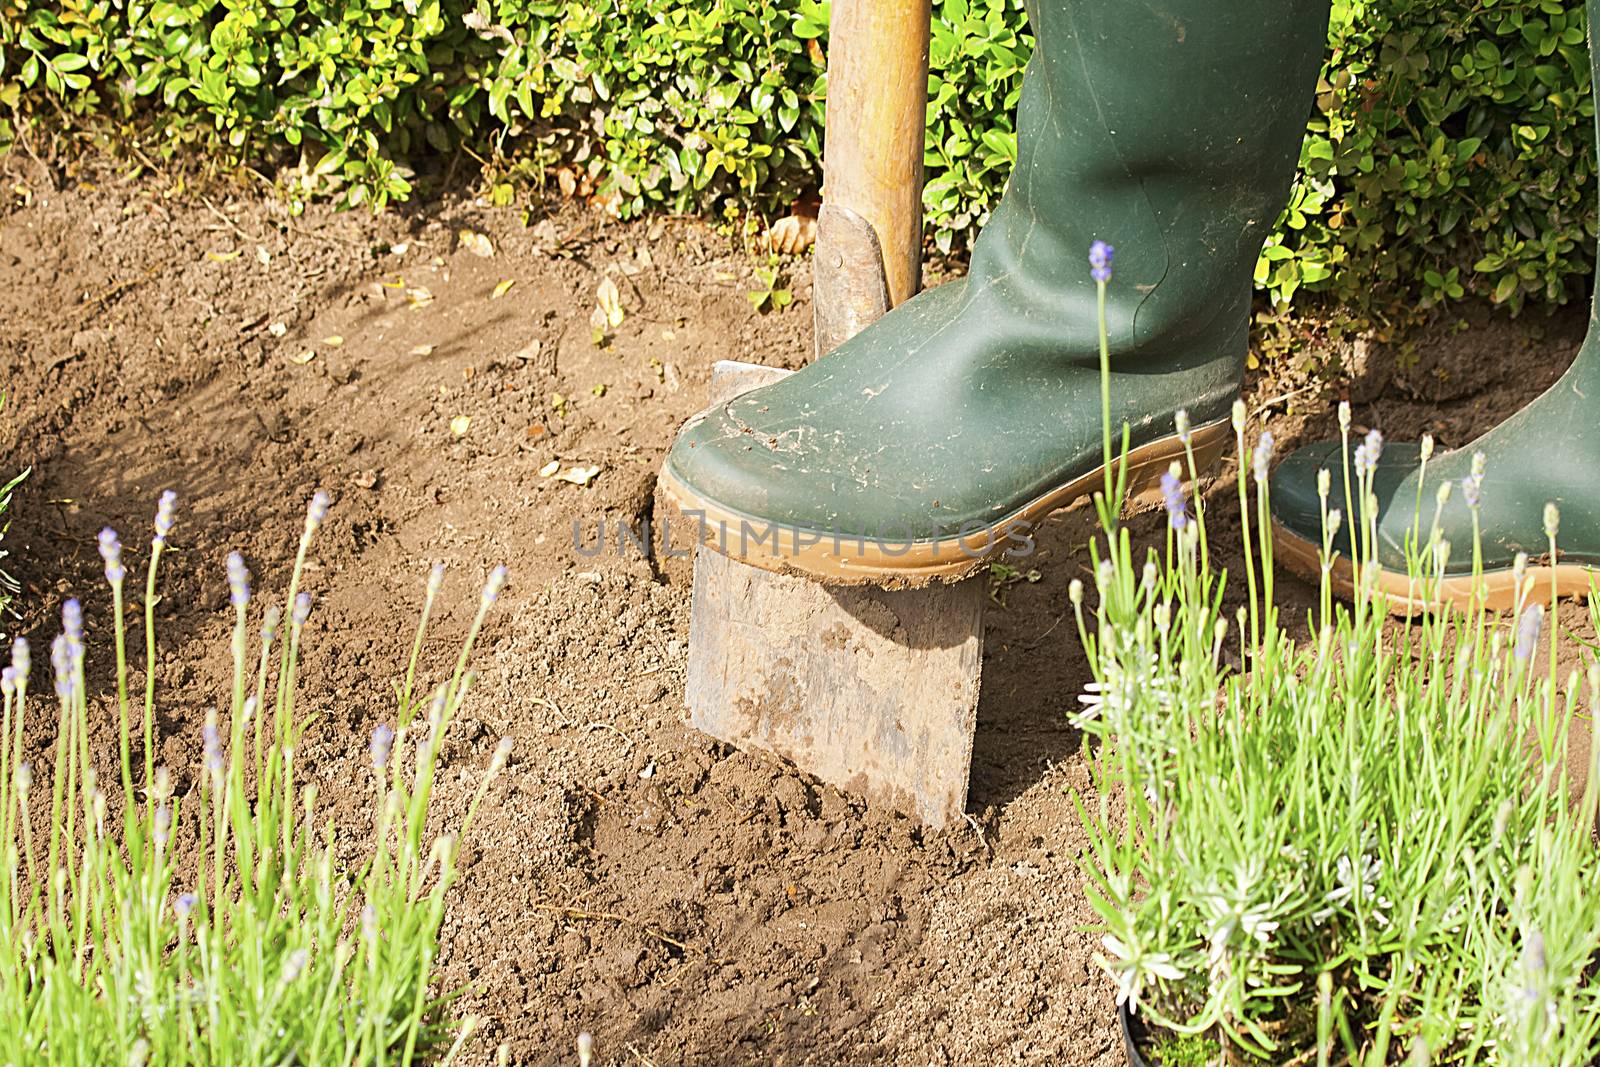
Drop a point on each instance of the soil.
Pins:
(725, 908)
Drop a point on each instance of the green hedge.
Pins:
(1448, 151)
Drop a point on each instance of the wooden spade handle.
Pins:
(875, 125)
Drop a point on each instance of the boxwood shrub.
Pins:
(1448, 150)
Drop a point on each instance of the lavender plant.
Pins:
(1356, 848)
(228, 924)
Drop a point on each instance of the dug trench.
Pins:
(684, 902)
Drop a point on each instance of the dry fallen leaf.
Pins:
(420, 297)
(333, 340)
(223, 257)
(503, 288)
(422, 350)
(549, 468)
(610, 301)
(302, 358)
(476, 243)
(459, 424)
(793, 234)
(578, 475)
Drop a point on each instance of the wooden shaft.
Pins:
(875, 124)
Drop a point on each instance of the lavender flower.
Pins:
(212, 740)
(1100, 261)
(161, 831)
(1263, 456)
(317, 510)
(24, 777)
(1552, 520)
(1344, 416)
(496, 582)
(111, 552)
(72, 621)
(8, 681)
(294, 965)
(302, 609)
(435, 580)
(61, 661)
(382, 745)
(238, 581)
(1181, 421)
(269, 623)
(1374, 443)
(21, 660)
(164, 509)
(1173, 500)
(185, 904)
(1528, 628)
(502, 753)
(1472, 490)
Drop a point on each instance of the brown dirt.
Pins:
(755, 916)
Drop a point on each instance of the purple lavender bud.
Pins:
(295, 965)
(382, 746)
(1263, 456)
(1100, 261)
(164, 509)
(1533, 955)
(317, 510)
(1528, 628)
(21, 660)
(186, 904)
(111, 552)
(269, 623)
(435, 580)
(302, 609)
(1472, 491)
(369, 922)
(238, 581)
(1181, 423)
(1173, 500)
(72, 620)
(212, 738)
(1374, 444)
(8, 681)
(162, 829)
(496, 582)
(24, 777)
(61, 661)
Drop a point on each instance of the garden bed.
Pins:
(723, 908)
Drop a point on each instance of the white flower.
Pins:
(1133, 968)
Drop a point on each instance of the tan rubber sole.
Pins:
(845, 560)
(1404, 599)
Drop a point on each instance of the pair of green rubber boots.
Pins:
(931, 440)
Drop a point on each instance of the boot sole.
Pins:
(1405, 600)
(840, 560)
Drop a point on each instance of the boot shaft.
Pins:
(1171, 130)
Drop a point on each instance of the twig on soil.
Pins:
(234, 226)
(979, 831)
(607, 726)
(641, 1057)
(611, 916)
(1271, 401)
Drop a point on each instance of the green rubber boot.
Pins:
(1547, 453)
(930, 440)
